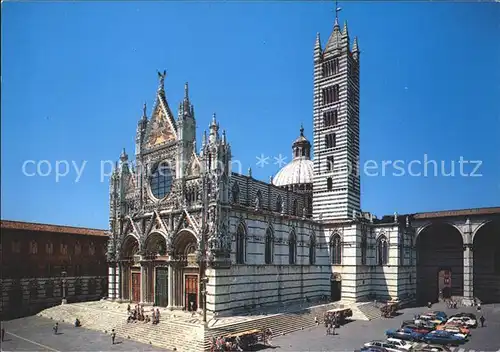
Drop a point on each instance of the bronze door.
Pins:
(136, 286)
(191, 292)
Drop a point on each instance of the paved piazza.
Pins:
(35, 334)
(353, 335)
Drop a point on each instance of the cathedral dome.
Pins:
(300, 170)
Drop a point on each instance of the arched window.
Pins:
(329, 184)
(235, 193)
(279, 204)
(312, 250)
(292, 248)
(295, 207)
(269, 244)
(309, 206)
(364, 245)
(240, 245)
(258, 200)
(161, 180)
(382, 250)
(336, 249)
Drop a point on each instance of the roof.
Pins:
(31, 226)
(299, 171)
(460, 212)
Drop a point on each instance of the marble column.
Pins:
(170, 287)
(143, 283)
(111, 280)
(468, 275)
(118, 281)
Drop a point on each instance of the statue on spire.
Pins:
(161, 77)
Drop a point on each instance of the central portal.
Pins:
(191, 292)
(161, 287)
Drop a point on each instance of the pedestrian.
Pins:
(113, 336)
(3, 333)
(55, 328)
(482, 320)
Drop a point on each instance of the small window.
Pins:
(329, 184)
(279, 204)
(312, 250)
(336, 250)
(295, 208)
(269, 250)
(240, 245)
(382, 250)
(329, 163)
(292, 248)
(330, 140)
(330, 118)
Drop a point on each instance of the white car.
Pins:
(400, 344)
(464, 320)
(384, 344)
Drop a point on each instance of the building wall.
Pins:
(33, 262)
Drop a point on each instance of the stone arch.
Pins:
(486, 261)
(184, 242)
(312, 248)
(439, 245)
(430, 223)
(130, 246)
(156, 243)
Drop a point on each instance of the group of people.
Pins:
(331, 321)
(137, 314)
(240, 343)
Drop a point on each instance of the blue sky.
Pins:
(75, 76)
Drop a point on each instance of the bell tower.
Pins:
(336, 190)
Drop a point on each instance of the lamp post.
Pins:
(63, 274)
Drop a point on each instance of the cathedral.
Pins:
(189, 233)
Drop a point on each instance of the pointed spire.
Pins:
(186, 91)
(344, 30)
(301, 130)
(224, 136)
(123, 156)
(192, 111)
(355, 48)
(317, 44)
(144, 114)
(204, 138)
(214, 120)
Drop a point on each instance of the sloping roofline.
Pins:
(32, 226)
(459, 212)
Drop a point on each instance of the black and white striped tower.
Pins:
(336, 187)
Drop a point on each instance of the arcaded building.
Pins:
(36, 258)
(185, 227)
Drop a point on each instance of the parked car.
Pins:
(421, 329)
(400, 344)
(372, 349)
(455, 328)
(425, 347)
(464, 320)
(438, 313)
(440, 337)
(404, 334)
(385, 345)
(468, 315)
(427, 319)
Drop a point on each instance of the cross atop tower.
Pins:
(337, 10)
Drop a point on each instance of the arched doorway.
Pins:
(335, 287)
(187, 273)
(131, 272)
(486, 254)
(440, 262)
(156, 270)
